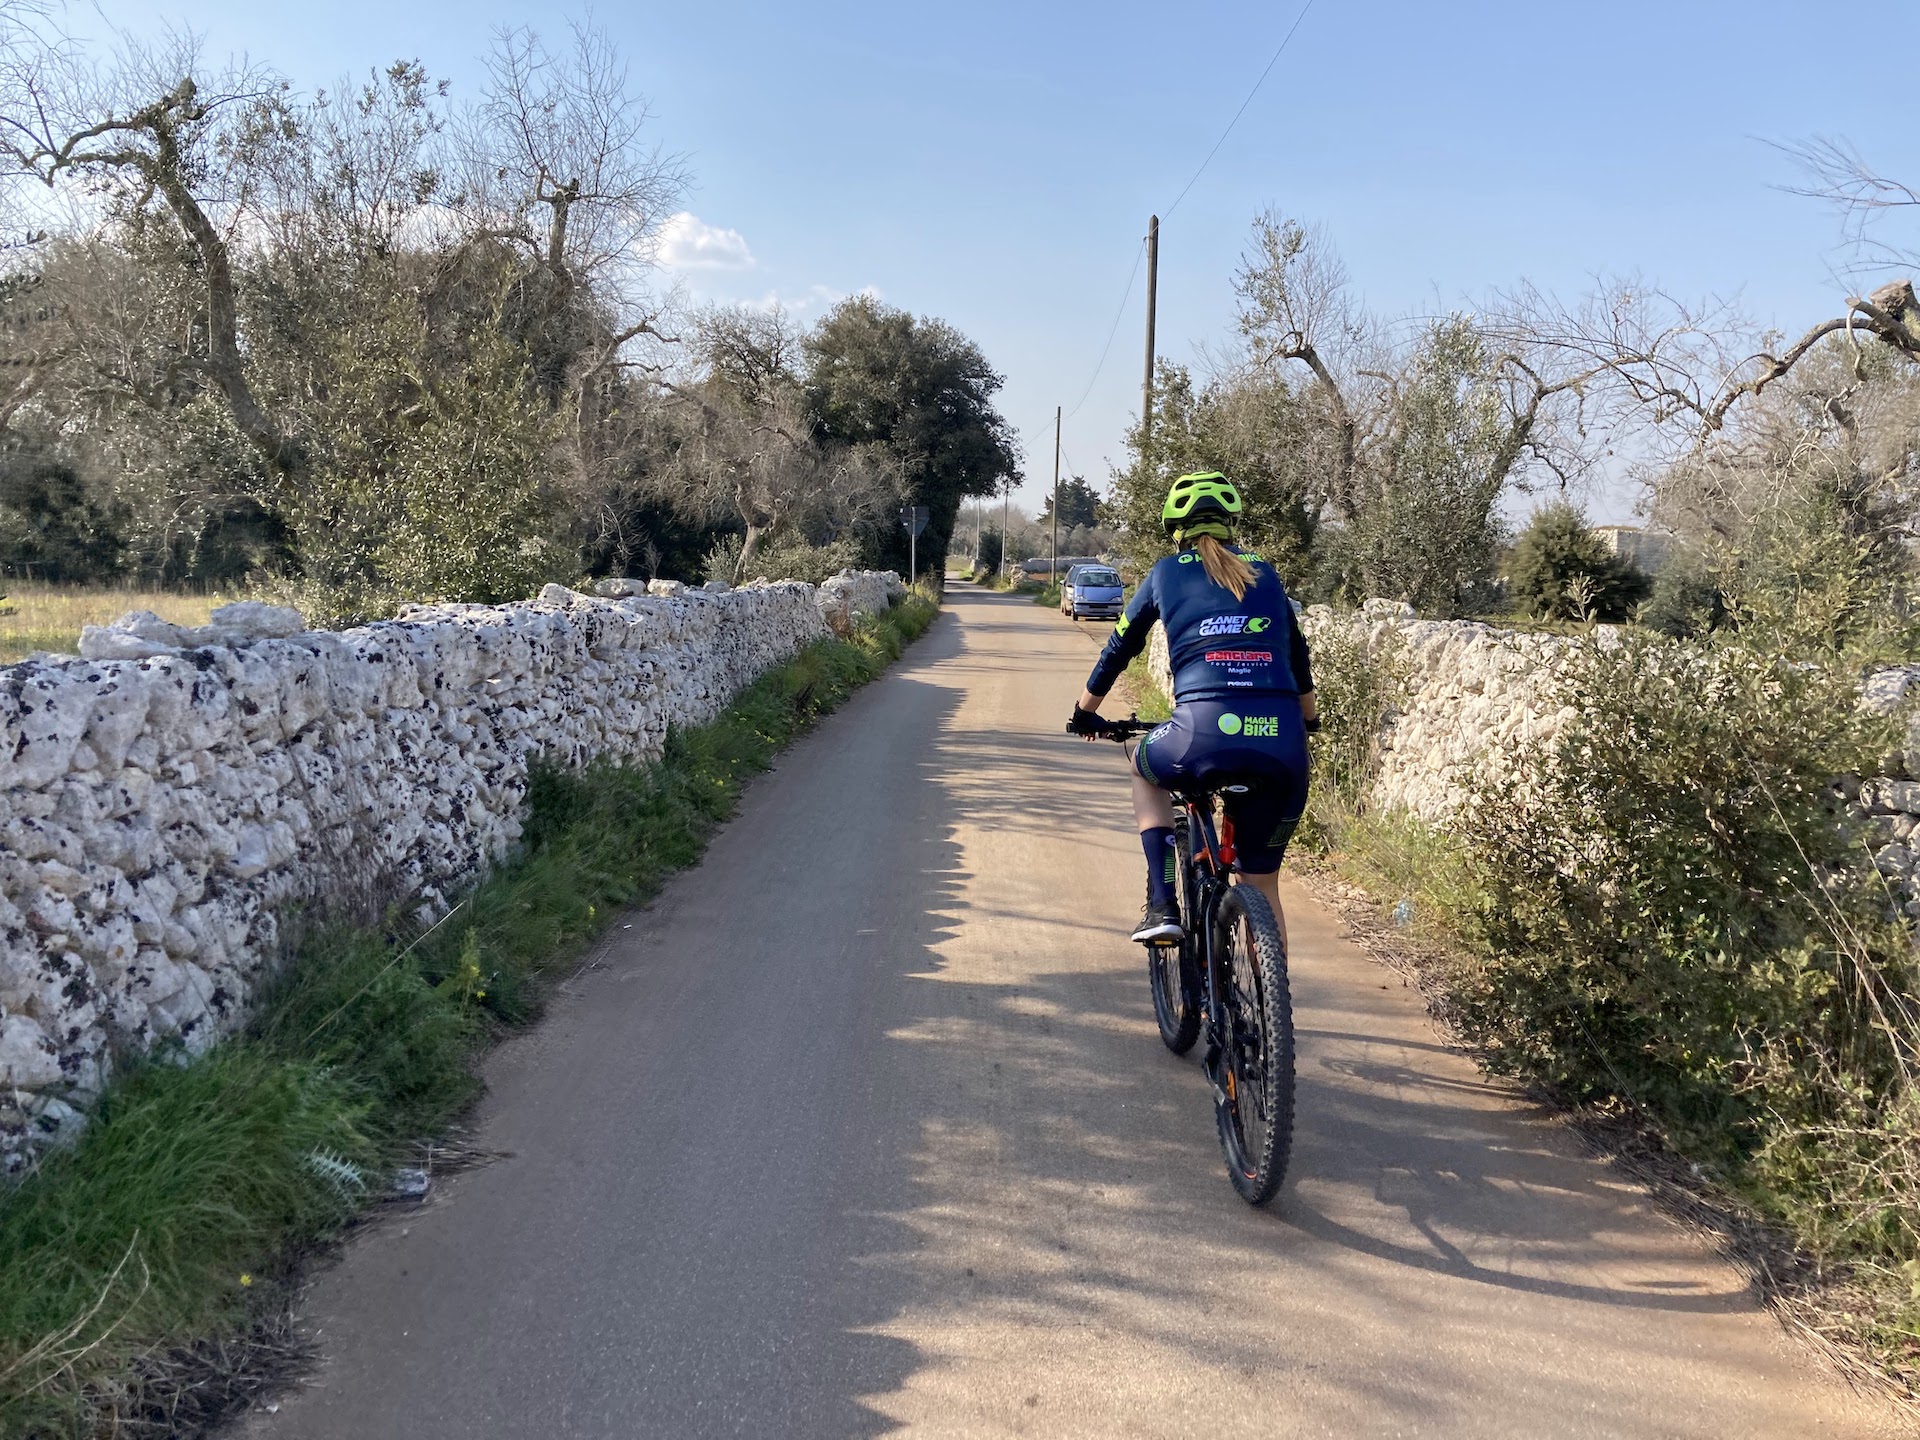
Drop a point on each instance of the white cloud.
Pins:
(688, 243)
(815, 297)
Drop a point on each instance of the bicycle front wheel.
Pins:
(1253, 1077)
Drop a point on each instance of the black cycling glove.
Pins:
(1085, 722)
(1313, 726)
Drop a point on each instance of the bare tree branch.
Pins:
(1292, 303)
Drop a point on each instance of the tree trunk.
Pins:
(748, 549)
(224, 362)
(1340, 484)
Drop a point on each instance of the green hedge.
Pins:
(1668, 908)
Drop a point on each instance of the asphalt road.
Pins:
(863, 1128)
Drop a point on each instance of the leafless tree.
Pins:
(756, 353)
(1638, 356)
(151, 128)
(555, 161)
(754, 463)
(357, 171)
(1847, 420)
(1836, 172)
(1294, 307)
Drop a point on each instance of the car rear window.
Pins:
(1098, 577)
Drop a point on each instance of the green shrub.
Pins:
(1669, 909)
(989, 556)
(1654, 882)
(800, 561)
(1826, 569)
(1560, 570)
(1355, 691)
(1685, 602)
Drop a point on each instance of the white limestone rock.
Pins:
(137, 635)
(28, 1059)
(244, 620)
(1885, 691)
(847, 598)
(614, 588)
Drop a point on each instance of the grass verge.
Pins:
(143, 1271)
(1150, 702)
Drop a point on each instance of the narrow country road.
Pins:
(863, 1128)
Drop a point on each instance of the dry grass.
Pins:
(37, 616)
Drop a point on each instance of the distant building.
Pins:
(1646, 550)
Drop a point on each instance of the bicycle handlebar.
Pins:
(1120, 731)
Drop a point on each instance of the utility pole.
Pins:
(1153, 289)
(1006, 512)
(1053, 566)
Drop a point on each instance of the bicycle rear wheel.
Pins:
(1173, 970)
(1253, 1077)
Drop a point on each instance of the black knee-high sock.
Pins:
(1158, 843)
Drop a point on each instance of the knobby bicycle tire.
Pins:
(1172, 971)
(1256, 1070)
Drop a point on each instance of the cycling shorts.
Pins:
(1256, 742)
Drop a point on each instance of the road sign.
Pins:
(914, 519)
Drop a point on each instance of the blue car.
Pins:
(1092, 591)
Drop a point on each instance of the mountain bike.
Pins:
(1227, 976)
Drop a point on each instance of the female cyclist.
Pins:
(1242, 692)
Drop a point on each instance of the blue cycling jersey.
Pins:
(1220, 647)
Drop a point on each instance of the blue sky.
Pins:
(995, 163)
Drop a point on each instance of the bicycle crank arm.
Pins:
(1210, 1067)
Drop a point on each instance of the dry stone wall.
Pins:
(1468, 691)
(169, 796)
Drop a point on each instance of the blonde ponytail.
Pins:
(1224, 568)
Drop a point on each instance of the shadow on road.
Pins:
(1064, 1180)
(864, 1125)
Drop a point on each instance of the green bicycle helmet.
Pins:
(1204, 503)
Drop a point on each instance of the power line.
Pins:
(1112, 330)
(1139, 254)
(1242, 110)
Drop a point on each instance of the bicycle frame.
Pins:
(1210, 853)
